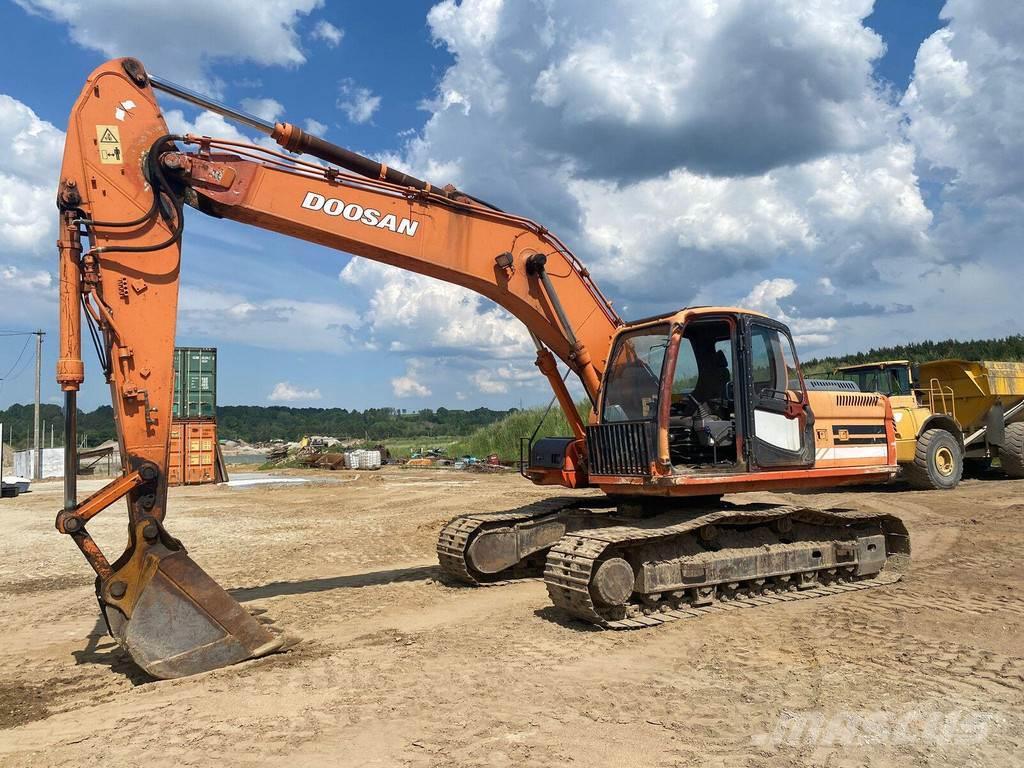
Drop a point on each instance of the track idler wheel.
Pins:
(613, 582)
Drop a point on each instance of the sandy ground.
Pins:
(394, 668)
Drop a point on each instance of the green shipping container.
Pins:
(195, 383)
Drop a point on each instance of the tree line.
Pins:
(1007, 348)
(254, 423)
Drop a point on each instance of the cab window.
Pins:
(773, 361)
(687, 371)
(634, 376)
(894, 380)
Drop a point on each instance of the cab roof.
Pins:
(690, 313)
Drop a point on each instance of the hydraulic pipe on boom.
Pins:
(294, 139)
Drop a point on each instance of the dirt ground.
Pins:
(393, 667)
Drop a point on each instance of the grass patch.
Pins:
(502, 437)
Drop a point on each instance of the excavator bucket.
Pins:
(173, 619)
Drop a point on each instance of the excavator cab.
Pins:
(704, 392)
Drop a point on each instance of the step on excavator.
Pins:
(686, 406)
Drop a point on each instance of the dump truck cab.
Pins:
(892, 378)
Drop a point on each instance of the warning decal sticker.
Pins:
(108, 139)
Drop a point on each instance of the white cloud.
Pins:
(452, 334)
(966, 99)
(965, 108)
(410, 385)
(420, 313)
(32, 147)
(30, 157)
(27, 297)
(24, 281)
(498, 381)
(314, 126)
(211, 124)
(328, 33)
(683, 149)
(692, 151)
(808, 332)
(732, 87)
(267, 109)
(286, 392)
(358, 103)
(843, 214)
(276, 323)
(162, 37)
(206, 123)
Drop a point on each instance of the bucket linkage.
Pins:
(170, 616)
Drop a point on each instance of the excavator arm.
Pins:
(125, 183)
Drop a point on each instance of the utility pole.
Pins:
(38, 463)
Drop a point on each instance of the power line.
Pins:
(20, 355)
(21, 370)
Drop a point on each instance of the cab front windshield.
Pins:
(890, 380)
(634, 376)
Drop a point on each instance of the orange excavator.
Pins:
(686, 406)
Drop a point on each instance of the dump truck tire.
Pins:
(1011, 455)
(938, 462)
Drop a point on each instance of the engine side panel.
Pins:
(851, 429)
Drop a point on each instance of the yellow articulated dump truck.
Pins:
(951, 415)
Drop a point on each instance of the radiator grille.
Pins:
(827, 385)
(621, 448)
(856, 400)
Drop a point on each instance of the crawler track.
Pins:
(571, 564)
(456, 537)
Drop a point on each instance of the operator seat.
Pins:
(712, 381)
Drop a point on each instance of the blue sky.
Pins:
(845, 169)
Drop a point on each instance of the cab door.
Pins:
(778, 416)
